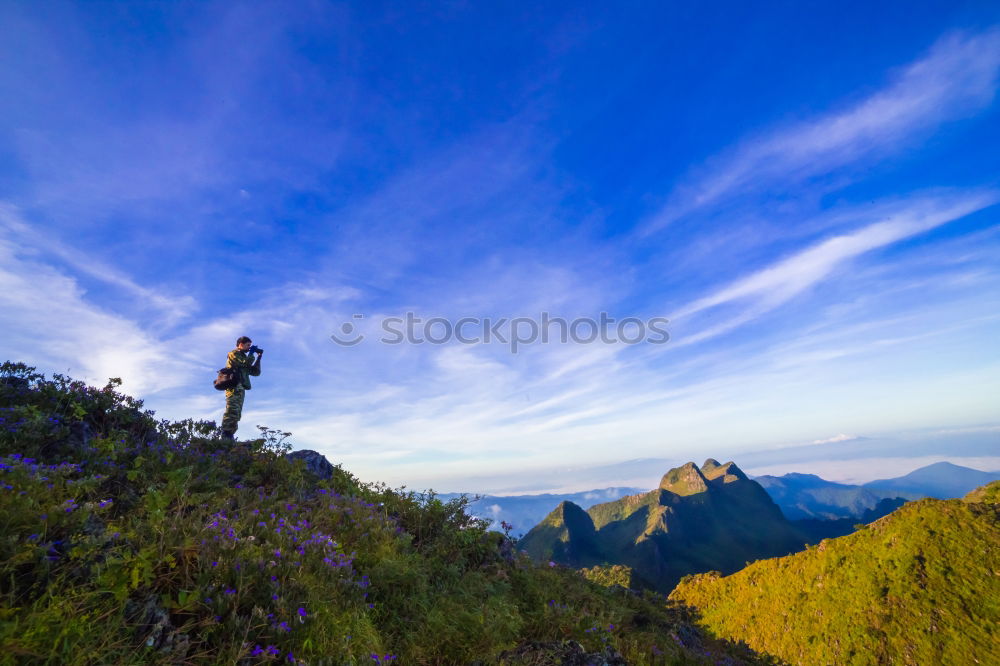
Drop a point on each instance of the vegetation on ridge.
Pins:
(989, 493)
(916, 587)
(131, 540)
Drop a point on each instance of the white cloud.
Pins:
(770, 287)
(970, 429)
(48, 322)
(173, 308)
(842, 437)
(957, 77)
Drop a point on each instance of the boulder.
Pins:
(80, 435)
(315, 462)
(152, 623)
(564, 653)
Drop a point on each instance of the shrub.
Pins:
(132, 540)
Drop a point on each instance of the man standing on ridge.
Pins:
(241, 359)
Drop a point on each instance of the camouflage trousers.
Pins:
(234, 408)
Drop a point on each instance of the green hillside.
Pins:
(920, 586)
(813, 531)
(128, 540)
(699, 519)
(988, 493)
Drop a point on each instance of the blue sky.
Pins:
(808, 192)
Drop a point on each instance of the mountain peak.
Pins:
(567, 535)
(571, 517)
(690, 523)
(684, 480)
(799, 476)
(941, 480)
(728, 472)
(569, 510)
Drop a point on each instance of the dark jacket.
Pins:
(241, 360)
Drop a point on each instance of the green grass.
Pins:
(919, 586)
(610, 575)
(153, 542)
(989, 493)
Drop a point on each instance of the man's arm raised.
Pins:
(255, 368)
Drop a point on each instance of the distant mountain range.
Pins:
(716, 518)
(826, 509)
(526, 511)
(916, 587)
(801, 497)
(699, 519)
(814, 530)
(941, 480)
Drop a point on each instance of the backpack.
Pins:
(228, 378)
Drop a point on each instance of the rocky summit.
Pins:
(704, 518)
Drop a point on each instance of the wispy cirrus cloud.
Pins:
(48, 322)
(294, 187)
(842, 437)
(766, 289)
(172, 308)
(958, 76)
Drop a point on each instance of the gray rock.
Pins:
(153, 624)
(80, 435)
(564, 653)
(315, 462)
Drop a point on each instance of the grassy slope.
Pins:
(919, 586)
(988, 493)
(148, 542)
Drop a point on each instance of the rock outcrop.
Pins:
(699, 519)
(316, 463)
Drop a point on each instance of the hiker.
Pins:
(241, 359)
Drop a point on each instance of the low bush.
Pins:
(131, 540)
